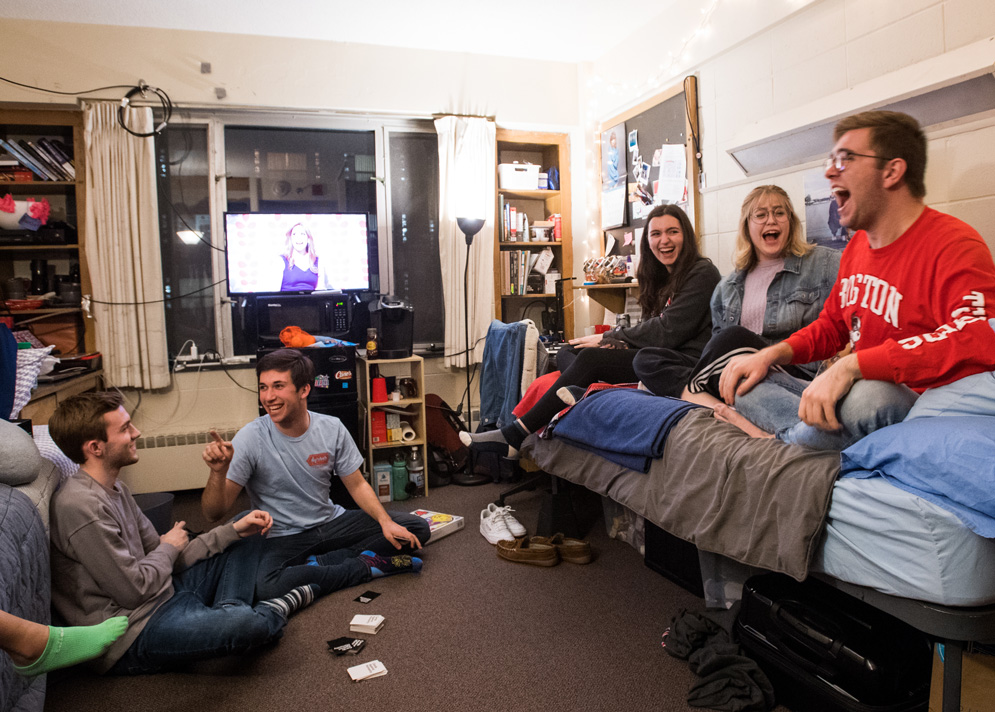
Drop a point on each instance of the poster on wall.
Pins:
(613, 177)
(822, 218)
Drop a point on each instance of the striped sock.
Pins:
(289, 603)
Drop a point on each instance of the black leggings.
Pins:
(581, 367)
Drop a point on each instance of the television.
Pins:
(297, 253)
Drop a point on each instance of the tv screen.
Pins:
(268, 253)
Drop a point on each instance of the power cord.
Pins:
(133, 90)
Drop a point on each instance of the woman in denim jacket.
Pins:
(779, 286)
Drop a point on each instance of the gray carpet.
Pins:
(471, 632)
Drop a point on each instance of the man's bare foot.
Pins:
(728, 414)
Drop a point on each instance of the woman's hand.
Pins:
(587, 341)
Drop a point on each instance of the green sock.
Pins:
(69, 646)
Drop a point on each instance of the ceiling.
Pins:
(559, 30)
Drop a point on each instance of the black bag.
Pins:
(447, 455)
(826, 651)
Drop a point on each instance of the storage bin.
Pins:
(518, 176)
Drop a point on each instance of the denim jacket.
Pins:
(794, 298)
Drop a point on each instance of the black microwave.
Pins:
(317, 315)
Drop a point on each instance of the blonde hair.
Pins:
(745, 257)
(288, 246)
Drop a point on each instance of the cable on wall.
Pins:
(133, 90)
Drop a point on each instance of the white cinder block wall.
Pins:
(763, 59)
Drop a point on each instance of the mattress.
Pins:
(875, 534)
(885, 538)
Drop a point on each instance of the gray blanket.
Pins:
(759, 502)
(24, 589)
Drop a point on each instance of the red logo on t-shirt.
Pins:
(318, 459)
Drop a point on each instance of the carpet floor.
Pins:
(471, 631)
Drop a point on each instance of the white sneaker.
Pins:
(514, 526)
(493, 527)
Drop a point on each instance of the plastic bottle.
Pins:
(399, 477)
(416, 467)
(372, 343)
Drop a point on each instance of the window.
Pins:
(414, 221)
(185, 237)
(364, 166)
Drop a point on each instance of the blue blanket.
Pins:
(624, 425)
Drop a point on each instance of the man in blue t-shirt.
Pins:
(285, 461)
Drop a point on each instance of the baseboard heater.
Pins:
(171, 462)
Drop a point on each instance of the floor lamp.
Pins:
(469, 227)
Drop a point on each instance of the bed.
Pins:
(775, 507)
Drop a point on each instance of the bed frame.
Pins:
(954, 626)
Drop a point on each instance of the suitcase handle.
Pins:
(805, 633)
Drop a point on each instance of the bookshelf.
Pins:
(64, 325)
(413, 408)
(514, 299)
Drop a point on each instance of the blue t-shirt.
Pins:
(289, 477)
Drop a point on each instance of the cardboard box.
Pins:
(977, 684)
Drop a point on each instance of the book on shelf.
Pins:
(29, 149)
(13, 149)
(439, 524)
(45, 148)
(370, 624)
(59, 155)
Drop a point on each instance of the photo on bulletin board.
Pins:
(614, 170)
(822, 218)
(620, 241)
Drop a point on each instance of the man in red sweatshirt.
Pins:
(913, 297)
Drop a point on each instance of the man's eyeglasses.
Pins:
(840, 159)
(760, 215)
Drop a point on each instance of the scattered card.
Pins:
(366, 596)
(374, 668)
(346, 646)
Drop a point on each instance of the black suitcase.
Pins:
(825, 651)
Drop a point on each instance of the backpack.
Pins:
(446, 454)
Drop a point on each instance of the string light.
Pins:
(676, 58)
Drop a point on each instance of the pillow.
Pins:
(21, 461)
(29, 367)
(947, 460)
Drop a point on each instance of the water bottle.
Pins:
(416, 467)
(399, 477)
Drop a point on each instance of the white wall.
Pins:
(283, 73)
(801, 53)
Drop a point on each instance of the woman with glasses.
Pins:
(779, 286)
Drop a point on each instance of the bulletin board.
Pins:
(659, 132)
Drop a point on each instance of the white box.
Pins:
(518, 176)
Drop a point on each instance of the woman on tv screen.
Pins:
(300, 269)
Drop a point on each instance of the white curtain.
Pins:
(467, 155)
(122, 247)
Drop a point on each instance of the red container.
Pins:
(379, 390)
(601, 328)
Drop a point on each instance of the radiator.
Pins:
(168, 463)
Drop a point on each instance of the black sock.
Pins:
(515, 433)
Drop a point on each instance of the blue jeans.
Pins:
(210, 615)
(336, 544)
(772, 405)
